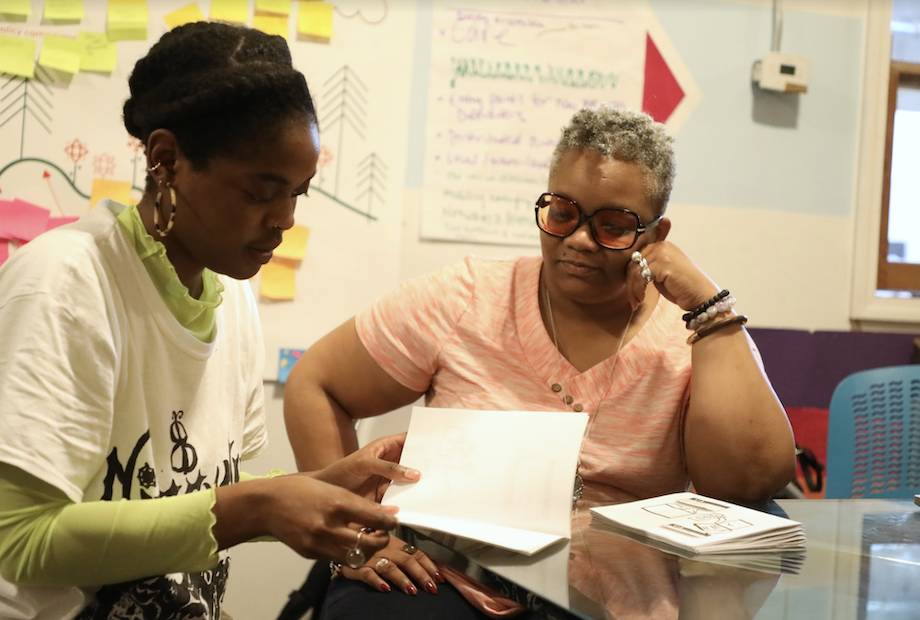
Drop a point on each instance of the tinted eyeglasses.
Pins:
(611, 228)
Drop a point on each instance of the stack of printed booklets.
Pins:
(705, 529)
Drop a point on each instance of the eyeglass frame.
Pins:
(582, 219)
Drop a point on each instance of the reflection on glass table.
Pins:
(862, 561)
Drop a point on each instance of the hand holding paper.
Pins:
(500, 477)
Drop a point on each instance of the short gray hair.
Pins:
(631, 137)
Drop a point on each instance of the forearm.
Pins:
(737, 439)
(319, 429)
(47, 540)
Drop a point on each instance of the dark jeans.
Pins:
(355, 600)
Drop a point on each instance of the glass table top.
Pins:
(862, 561)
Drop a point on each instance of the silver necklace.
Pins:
(579, 488)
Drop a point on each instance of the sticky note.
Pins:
(271, 24)
(186, 15)
(233, 11)
(64, 10)
(17, 56)
(294, 244)
(54, 222)
(119, 191)
(97, 52)
(15, 8)
(287, 358)
(21, 220)
(274, 7)
(277, 280)
(61, 53)
(127, 20)
(5, 253)
(314, 20)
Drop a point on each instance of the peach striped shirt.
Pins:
(471, 337)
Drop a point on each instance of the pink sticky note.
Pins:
(54, 222)
(21, 220)
(4, 251)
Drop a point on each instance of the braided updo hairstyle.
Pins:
(216, 87)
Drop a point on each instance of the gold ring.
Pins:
(409, 549)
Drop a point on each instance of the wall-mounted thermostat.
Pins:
(787, 73)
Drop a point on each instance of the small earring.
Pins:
(156, 211)
(155, 167)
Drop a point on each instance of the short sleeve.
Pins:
(255, 434)
(405, 330)
(58, 369)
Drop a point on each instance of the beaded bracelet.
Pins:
(714, 327)
(703, 307)
(721, 307)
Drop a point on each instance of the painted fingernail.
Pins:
(439, 576)
(411, 589)
(384, 587)
(429, 585)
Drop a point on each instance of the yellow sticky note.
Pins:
(233, 11)
(119, 191)
(17, 56)
(275, 7)
(277, 280)
(294, 245)
(61, 53)
(185, 15)
(97, 53)
(64, 10)
(127, 20)
(15, 8)
(271, 24)
(314, 19)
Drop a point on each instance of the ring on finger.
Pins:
(637, 257)
(381, 564)
(354, 558)
(647, 274)
(409, 549)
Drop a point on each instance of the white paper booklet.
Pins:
(500, 477)
(701, 525)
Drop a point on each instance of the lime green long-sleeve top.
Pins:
(46, 539)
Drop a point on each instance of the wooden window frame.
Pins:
(867, 309)
(894, 276)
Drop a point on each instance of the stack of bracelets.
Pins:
(712, 315)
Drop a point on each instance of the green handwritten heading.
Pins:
(508, 71)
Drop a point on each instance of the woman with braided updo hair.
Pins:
(131, 361)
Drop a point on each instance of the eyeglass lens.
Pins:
(612, 228)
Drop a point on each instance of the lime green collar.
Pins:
(196, 315)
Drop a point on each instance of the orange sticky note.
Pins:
(277, 280)
(119, 191)
(186, 15)
(271, 24)
(314, 20)
(294, 245)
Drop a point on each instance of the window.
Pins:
(886, 265)
(899, 239)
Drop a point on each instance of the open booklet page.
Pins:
(702, 525)
(500, 477)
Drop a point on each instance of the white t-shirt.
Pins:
(104, 395)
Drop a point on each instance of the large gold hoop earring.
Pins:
(162, 232)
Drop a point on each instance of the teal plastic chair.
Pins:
(873, 438)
